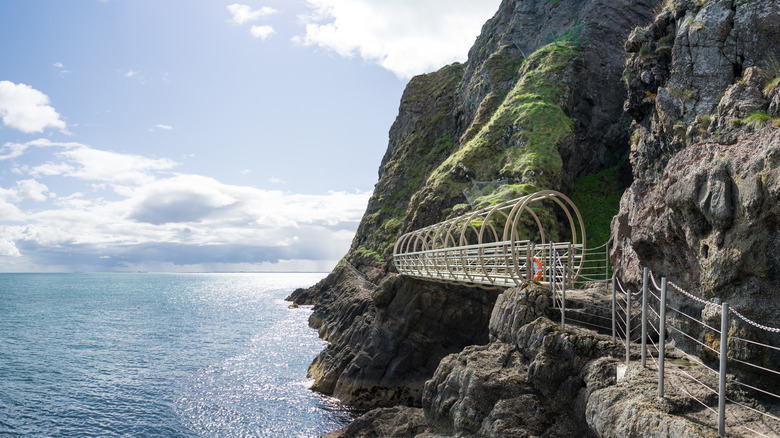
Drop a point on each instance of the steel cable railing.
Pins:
(694, 329)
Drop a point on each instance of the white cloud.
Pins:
(97, 165)
(12, 150)
(8, 211)
(27, 109)
(80, 161)
(244, 14)
(62, 69)
(130, 74)
(262, 32)
(407, 37)
(164, 127)
(31, 189)
(118, 210)
(8, 248)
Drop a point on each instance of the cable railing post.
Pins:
(613, 308)
(662, 338)
(724, 333)
(563, 303)
(528, 260)
(628, 325)
(570, 262)
(644, 317)
(551, 270)
(550, 258)
(606, 261)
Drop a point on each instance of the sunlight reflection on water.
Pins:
(158, 355)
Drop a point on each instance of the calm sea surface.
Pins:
(169, 355)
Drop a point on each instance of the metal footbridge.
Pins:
(502, 245)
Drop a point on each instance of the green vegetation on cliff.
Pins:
(512, 142)
(520, 141)
(597, 197)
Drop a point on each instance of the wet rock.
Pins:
(395, 422)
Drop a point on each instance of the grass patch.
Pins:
(759, 118)
(503, 193)
(597, 197)
(520, 141)
(365, 253)
(502, 65)
(770, 86)
(666, 40)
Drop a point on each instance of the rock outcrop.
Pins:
(702, 209)
(393, 343)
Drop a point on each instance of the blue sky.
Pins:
(207, 135)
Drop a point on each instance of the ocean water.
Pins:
(158, 355)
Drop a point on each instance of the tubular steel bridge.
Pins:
(502, 245)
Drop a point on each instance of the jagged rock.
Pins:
(461, 173)
(396, 338)
(510, 391)
(517, 307)
(774, 99)
(395, 422)
(702, 208)
(743, 98)
(699, 209)
(630, 408)
(635, 40)
(524, 380)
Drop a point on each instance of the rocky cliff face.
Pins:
(702, 210)
(537, 105)
(547, 97)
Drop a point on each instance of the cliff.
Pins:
(538, 105)
(702, 80)
(675, 106)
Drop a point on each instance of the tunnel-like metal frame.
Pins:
(474, 249)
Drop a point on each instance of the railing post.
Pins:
(570, 262)
(551, 270)
(662, 338)
(644, 317)
(724, 333)
(628, 325)
(606, 261)
(613, 308)
(563, 303)
(551, 266)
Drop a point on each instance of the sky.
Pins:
(204, 135)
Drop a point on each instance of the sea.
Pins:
(159, 355)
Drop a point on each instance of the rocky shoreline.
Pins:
(681, 99)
